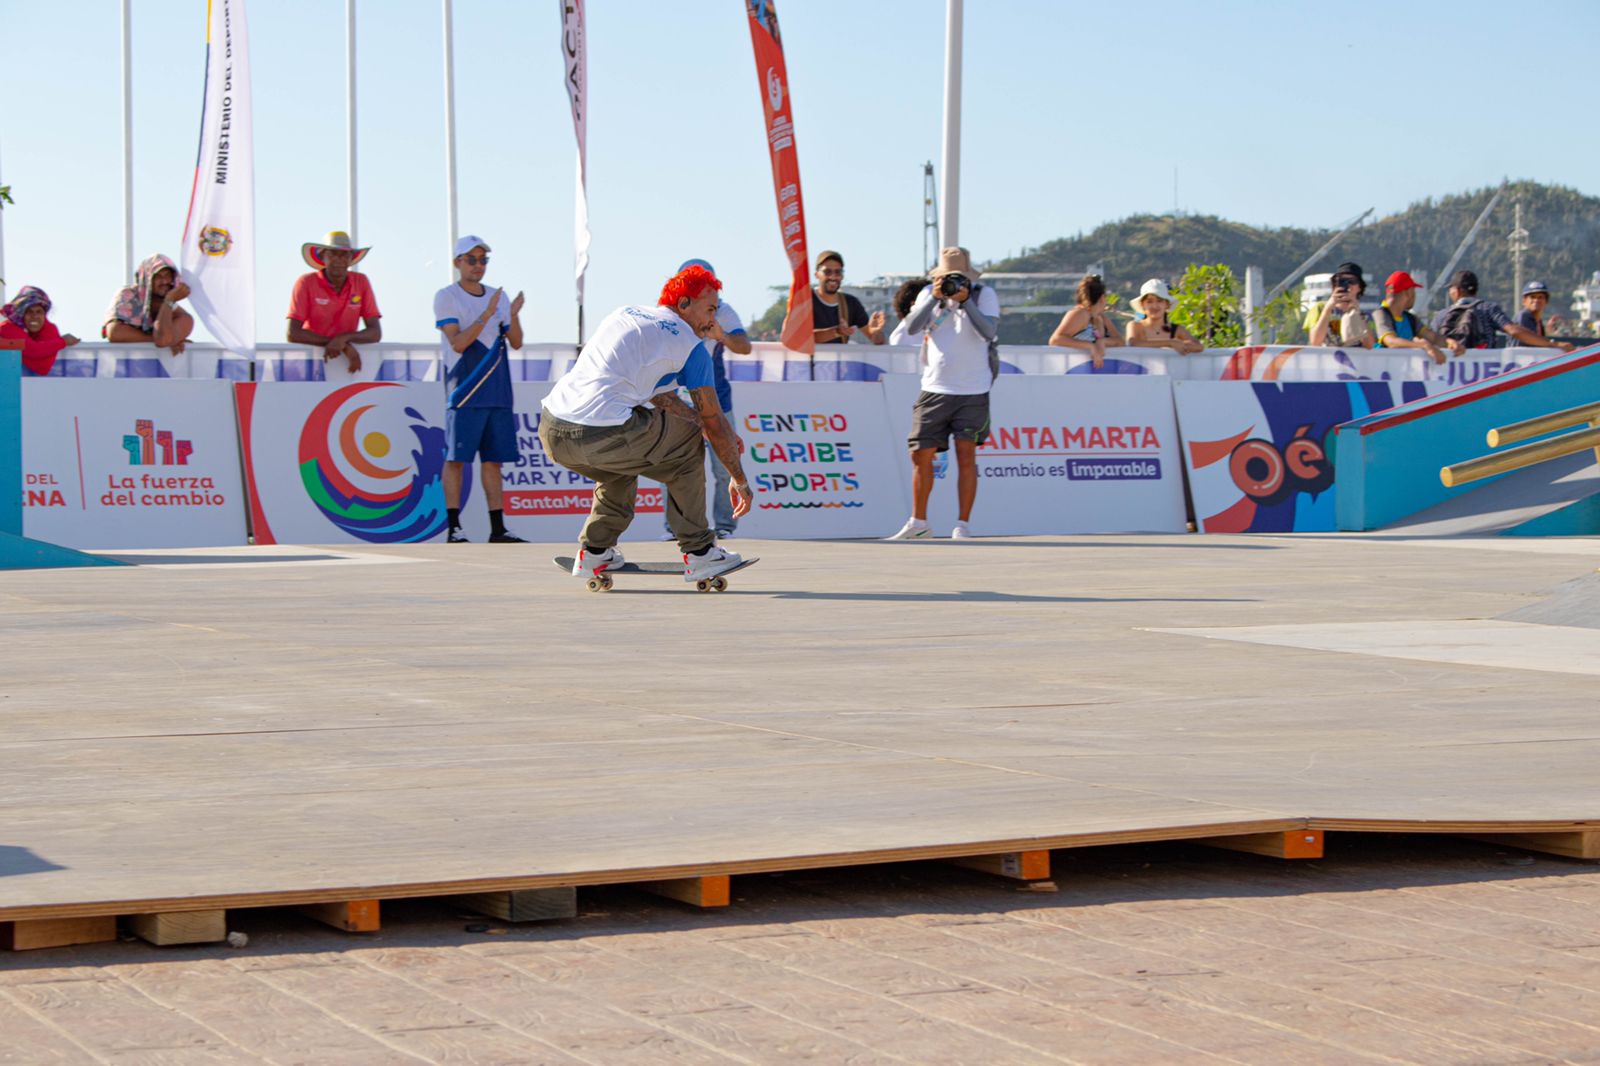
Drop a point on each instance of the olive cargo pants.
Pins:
(652, 444)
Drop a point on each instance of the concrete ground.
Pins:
(1358, 678)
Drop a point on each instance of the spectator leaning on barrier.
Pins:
(616, 417)
(1154, 330)
(1535, 298)
(1473, 321)
(1397, 327)
(147, 311)
(328, 305)
(727, 331)
(959, 320)
(26, 319)
(478, 325)
(836, 315)
(904, 297)
(1339, 320)
(1088, 326)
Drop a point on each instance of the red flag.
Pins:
(775, 100)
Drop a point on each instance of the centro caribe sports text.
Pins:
(802, 451)
(157, 490)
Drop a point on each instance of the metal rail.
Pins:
(1530, 454)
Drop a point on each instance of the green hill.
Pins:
(1563, 226)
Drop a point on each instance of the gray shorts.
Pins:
(938, 415)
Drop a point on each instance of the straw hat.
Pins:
(955, 261)
(311, 251)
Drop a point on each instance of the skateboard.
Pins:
(602, 581)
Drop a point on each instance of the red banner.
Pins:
(774, 78)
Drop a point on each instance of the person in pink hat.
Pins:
(330, 305)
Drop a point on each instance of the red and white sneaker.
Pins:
(715, 561)
(589, 563)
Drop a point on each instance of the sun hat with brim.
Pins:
(955, 261)
(338, 240)
(1534, 287)
(1153, 287)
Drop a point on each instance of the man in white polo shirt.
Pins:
(615, 417)
(958, 319)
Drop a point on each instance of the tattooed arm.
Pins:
(725, 442)
(669, 402)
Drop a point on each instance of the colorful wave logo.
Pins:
(348, 469)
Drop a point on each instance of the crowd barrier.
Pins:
(310, 453)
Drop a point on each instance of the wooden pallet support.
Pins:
(1016, 865)
(354, 916)
(709, 891)
(1569, 844)
(524, 905)
(180, 927)
(1289, 844)
(28, 933)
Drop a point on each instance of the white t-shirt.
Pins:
(958, 355)
(901, 335)
(455, 305)
(634, 354)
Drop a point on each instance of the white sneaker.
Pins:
(960, 532)
(914, 529)
(588, 563)
(715, 561)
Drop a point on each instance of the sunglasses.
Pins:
(831, 273)
(475, 260)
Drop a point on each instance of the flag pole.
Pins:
(127, 139)
(350, 117)
(950, 159)
(450, 121)
(2, 243)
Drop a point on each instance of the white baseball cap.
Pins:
(468, 243)
(1153, 287)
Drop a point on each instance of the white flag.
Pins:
(219, 238)
(577, 67)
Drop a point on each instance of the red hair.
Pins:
(687, 283)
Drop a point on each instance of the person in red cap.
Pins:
(1397, 327)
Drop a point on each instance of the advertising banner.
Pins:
(822, 461)
(777, 108)
(130, 464)
(1259, 454)
(1066, 455)
(333, 464)
(575, 60)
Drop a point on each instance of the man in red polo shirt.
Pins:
(330, 303)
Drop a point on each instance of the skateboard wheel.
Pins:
(605, 582)
(702, 585)
(595, 584)
(719, 584)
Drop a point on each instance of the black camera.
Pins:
(951, 284)
(1344, 283)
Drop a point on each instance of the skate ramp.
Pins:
(1525, 501)
(1576, 603)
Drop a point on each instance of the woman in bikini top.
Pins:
(1087, 327)
(1154, 330)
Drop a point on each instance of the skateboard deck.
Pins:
(602, 582)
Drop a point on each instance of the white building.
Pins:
(1013, 289)
(1586, 299)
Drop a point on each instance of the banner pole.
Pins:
(127, 139)
(350, 117)
(950, 159)
(450, 122)
(2, 243)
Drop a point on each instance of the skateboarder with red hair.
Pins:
(615, 417)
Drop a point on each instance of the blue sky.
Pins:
(1272, 113)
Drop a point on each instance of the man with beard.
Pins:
(836, 315)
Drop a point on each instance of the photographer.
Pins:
(959, 320)
(1340, 321)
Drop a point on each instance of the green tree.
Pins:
(1207, 305)
(768, 326)
(1280, 320)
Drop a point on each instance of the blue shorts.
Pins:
(487, 433)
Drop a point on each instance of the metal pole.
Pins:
(450, 122)
(127, 139)
(950, 158)
(1519, 244)
(1282, 286)
(350, 118)
(1461, 249)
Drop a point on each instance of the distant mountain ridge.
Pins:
(1563, 227)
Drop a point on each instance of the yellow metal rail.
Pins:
(1587, 414)
(1516, 432)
